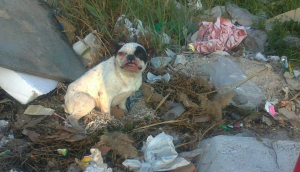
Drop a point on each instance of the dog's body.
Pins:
(106, 85)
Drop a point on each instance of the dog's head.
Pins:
(132, 57)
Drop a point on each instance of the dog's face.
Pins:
(132, 57)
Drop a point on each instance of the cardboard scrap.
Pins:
(267, 121)
(187, 168)
(33, 123)
(38, 110)
(293, 14)
(288, 114)
(33, 136)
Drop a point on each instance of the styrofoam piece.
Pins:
(24, 87)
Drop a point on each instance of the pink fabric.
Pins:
(222, 35)
(272, 110)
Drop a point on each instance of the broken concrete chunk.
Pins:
(293, 84)
(36, 43)
(247, 154)
(38, 110)
(241, 15)
(24, 87)
(292, 41)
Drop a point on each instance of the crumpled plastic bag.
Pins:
(159, 154)
(224, 72)
(136, 28)
(96, 163)
(222, 35)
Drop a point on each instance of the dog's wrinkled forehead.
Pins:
(135, 49)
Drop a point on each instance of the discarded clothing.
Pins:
(222, 35)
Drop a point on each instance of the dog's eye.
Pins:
(121, 54)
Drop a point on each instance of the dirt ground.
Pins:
(44, 135)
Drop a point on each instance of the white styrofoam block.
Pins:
(247, 154)
(24, 87)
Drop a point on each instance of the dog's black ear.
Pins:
(119, 46)
(150, 53)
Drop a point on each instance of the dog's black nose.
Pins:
(130, 57)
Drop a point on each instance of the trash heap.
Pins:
(219, 82)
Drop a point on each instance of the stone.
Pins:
(247, 154)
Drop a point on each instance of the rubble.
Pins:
(242, 16)
(248, 154)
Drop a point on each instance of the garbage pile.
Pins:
(220, 81)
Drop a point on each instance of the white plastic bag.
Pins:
(224, 72)
(160, 155)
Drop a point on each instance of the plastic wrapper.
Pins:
(159, 154)
(225, 72)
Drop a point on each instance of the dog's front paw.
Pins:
(75, 123)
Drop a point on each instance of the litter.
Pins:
(24, 87)
(287, 67)
(269, 107)
(266, 120)
(170, 53)
(32, 135)
(235, 126)
(288, 114)
(159, 155)
(88, 49)
(274, 58)
(38, 110)
(133, 99)
(3, 125)
(174, 113)
(4, 153)
(153, 78)
(222, 35)
(159, 62)
(224, 72)
(194, 153)
(260, 57)
(133, 31)
(62, 151)
(136, 29)
(293, 14)
(180, 59)
(6, 135)
(86, 161)
(96, 162)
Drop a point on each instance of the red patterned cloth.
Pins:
(222, 35)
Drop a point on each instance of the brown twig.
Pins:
(200, 137)
(166, 122)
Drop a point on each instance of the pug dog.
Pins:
(106, 85)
